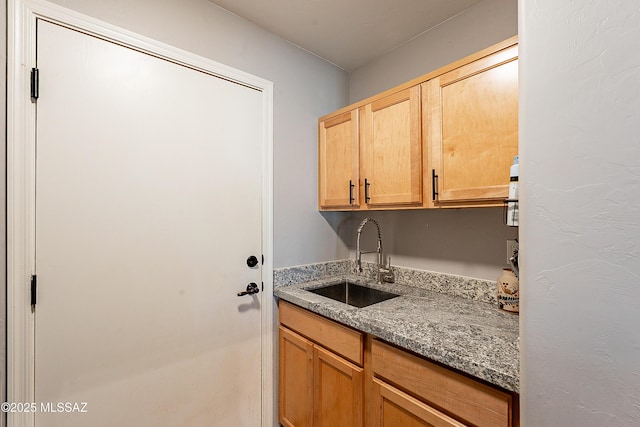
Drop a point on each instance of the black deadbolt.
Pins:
(252, 261)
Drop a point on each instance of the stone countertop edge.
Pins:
(474, 337)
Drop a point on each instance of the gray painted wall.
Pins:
(467, 242)
(580, 226)
(482, 25)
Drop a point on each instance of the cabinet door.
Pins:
(295, 403)
(475, 403)
(339, 390)
(392, 150)
(393, 408)
(338, 160)
(473, 127)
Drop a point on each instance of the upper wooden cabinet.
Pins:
(338, 160)
(445, 139)
(472, 121)
(391, 144)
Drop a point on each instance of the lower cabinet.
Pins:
(442, 390)
(328, 376)
(317, 386)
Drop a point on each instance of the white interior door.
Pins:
(148, 203)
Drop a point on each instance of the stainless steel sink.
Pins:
(353, 294)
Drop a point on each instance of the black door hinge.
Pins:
(262, 259)
(34, 289)
(262, 287)
(35, 84)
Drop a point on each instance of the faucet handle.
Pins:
(387, 272)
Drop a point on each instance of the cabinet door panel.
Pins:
(394, 408)
(338, 160)
(473, 116)
(295, 405)
(392, 149)
(339, 389)
(470, 400)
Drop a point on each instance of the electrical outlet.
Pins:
(512, 247)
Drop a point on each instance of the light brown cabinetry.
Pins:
(472, 121)
(295, 379)
(445, 139)
(371, 157)
(392, 150)
(394, 408)
(338, 161)
(328, 378)
(321, 379)
(339, 390)
(444, 391)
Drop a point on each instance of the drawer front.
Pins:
(395, 408)
(471, 401)
(338, 338)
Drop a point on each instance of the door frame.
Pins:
(21, 130)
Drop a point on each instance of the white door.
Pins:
(148, 204)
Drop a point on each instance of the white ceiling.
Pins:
(348, 33)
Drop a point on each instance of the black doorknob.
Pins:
(252, 261)
(252, 288)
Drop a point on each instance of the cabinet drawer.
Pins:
(396, 408)
(470, 401)
(338, 338)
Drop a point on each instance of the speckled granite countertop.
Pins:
(471, 336)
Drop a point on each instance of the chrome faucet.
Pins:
(384, 273)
